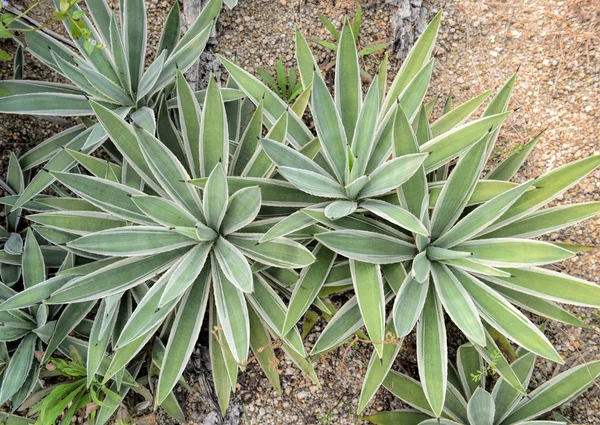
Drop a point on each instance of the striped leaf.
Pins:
(233, 314)
(507, 319)
(132, 241)
(367, 246)
(184, 334)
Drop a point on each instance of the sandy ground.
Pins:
(481, 43)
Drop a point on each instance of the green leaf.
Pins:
(272, 310)
(234, 265)
(551, 285)
(507, 319)
(475, 267)
(100, 335)
(405, 417)
(555, 392)
(214, 148)
(233, 314)
(308, 286)
(537, 305)
(458, 189)
(280, 252)
(70, 317)
(348, 93)
(391, 175)
(219, 362)
(450, 144)
(34, 294)
(114, 198)
(330, 129)
(18, 368)
(298, 133)
(408, 390)
(458, 115)
(509, 166)
(457, 303)
(243, 208)
(169, 172)
(248, 142)
(306, 61)
(150, 77)
(147, 314)
(132, 241)
(367, 246)
(469, 363)
(34, 270)
(506, 398)
(284, 156)
(481, 217)
(261, 346)
(134, 34)
(215, 197)
(364, 136)
(481, 408)
(432, 353)
(126, 142)
(171, 31)
(408, 304)
(395, 215)
(118, 52)
(164, 212)
(418, 56)
(368, 287)
(344, 323)
(378, 368)
(290, 224)
(185, 273)
(55, 104)
(549, 185)
(14, 244)
(404, 142)
(101, 283)
(184, 334)
(313, 183)
(78, 222)
(509, 252)
(546, 221)
(339, 209)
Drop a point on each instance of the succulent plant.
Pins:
(468, 402)
(464, 236)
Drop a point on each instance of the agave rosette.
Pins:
(464, 239)
(470, 404)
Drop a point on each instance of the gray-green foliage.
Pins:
(220, 204)
(468, 402)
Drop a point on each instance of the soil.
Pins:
(554, 45)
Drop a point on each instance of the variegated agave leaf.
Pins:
(468, 402)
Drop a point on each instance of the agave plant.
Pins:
(468, 402)
(114, 76)
(464, 239)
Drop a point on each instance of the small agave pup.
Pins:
(468, 402)
(464, 238)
